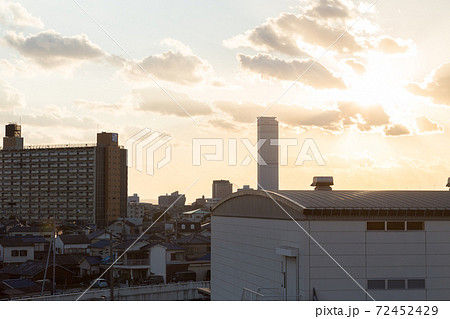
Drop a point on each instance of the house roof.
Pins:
(194, 239)
(14, 242)
(29, 268)
(206, 257)
(95, 234)
(35, 239)
(335, 202)
(24, 229)
(93, 260)
(207, 226)
(68, 259)
(75, 239)
(169, 246)
(101, 244)
(131, 245)
(196, 211)
(19, 283)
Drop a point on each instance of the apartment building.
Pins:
(84, 183)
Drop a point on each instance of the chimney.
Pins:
(322, 183)
(448, 184)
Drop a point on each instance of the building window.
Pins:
(415, 226)
(183, 226)
(14, 253)
(376, 284)
(192, 226)
(395, 225)
(23, 253)
(416, 283)
(375, 226)
(396, 284)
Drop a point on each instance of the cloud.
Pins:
(330, 9)
(156, 101)
(328, 24)
(13, 14)
(358, 67)
(56, 119)
(365, 118)
(317, 33)
(437, 87)
(344, 116)
(267, 38)
(50, 49)
(425, 125)
(389, 45)
(396, 130)
(178, 67)
(223, 124)
(243, 112)
(10, 98)
(267, 66)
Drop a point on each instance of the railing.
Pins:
(267, 294)
(134, 262)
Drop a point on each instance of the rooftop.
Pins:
(14, 242)
(335, 202)
(74, 239)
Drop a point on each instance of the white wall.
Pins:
(6, 254)
(244, 256)
(158, 260)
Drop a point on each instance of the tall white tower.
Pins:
(268, 172)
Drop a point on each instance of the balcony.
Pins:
(135, 262)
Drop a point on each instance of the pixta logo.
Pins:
(148, 141)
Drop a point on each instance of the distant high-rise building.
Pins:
(221, 189)
(175, 199)
(13, 139)
(85, 183)
(268, 170)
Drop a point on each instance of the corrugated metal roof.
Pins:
(367, 199)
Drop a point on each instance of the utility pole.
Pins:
(111, 270)
(54, 259)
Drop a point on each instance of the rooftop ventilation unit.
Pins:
(322, 183)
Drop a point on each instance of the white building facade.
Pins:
(395, 245)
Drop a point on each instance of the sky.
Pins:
(367, 82)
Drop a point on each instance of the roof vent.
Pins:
(322, 183)
(448, 184)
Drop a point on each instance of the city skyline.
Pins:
(376, 104)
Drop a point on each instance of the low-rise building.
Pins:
(196, 215)
(14, 250)
(295, 245)
(72, 244)
(167, 259)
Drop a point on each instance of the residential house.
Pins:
(27, 231)
(101, 248)
(196, 245)
(202, 267)
(167, 259)
(134, 265)
(17, 288)
(15, 250)
(35, 270)
(90, 266)
(126, 226)
(196, 215)
(40, 244)
(72, 244)
(185, 226)
(206, 229)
